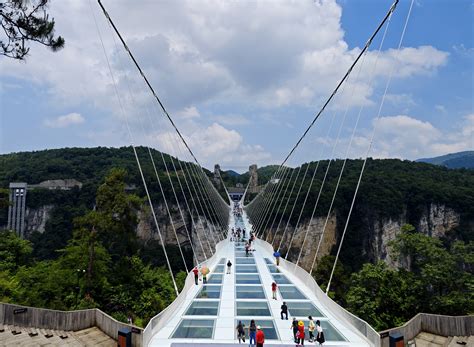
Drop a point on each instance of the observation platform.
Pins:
(207, 315)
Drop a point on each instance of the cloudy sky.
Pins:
(243, 79)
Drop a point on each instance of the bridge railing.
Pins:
(341, 313)
(42, 318)
(160, 320)
(433, 324)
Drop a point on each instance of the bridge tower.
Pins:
(16, 209)
(217, 175)
(253, 180)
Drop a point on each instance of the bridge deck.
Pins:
(209, 314)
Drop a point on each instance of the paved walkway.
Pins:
(210, 313)
(32, 337)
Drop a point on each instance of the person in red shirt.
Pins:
(196, 275)
(274, 290)
(260, 337)
(301, 333)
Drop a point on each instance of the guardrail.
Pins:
(433, 324)
(42, 318)
(157, 322)
(341, 313)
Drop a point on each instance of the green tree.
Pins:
(382, 296)
(23, 22)
(14, 251)
(340, 281)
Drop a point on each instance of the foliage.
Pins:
(430, 279)
(99, 266)
(23, 22)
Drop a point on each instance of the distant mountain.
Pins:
(453, 161)
(232, 173)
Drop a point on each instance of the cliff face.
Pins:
(35, 219)
(436, 220)
(375, 234)
(204, 234)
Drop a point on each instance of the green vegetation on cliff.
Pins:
(100, 266)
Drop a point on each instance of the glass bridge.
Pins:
(207, 315)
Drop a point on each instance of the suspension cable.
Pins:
(369, 147)
(135, 151)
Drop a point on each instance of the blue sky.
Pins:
(243, 80)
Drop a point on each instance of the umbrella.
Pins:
(204, 270)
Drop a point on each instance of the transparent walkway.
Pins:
(208, 314)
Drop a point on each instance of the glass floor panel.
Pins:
(249, 292)
(303, 309)
(242, 254)
(209, 292)
(221, 261)
(291, 292)
(330, 332)
(247, 261)
(219, 269)
(252, 308)
(247, 279)
(273, 269)
(240, 249)
(281, 279)
(267, 326)
(268, 261)
(194, 329)
(215, 279)
(246, 269)
(203, 308)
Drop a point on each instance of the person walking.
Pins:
(284, 311)
(300, 334)
(196, 275)
(294, 326)
(320, 337)
(274, 290)
(229, 264)
(252, 333)
(311, 328)
(247, 249)
(260, 337)
(240, 331)
(277, 255)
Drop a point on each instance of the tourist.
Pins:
(284, 311)
(229, 264)
(240, 331)
(260, 337)
(320, 337)
(274, 290)
(311, 328)
(294, 326)
(204, 272)
(252, 333)
(277, 257)
(300, 334)
(247, 249)
(196, 275)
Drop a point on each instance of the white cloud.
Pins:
(234, 55)
(189, 112)
(64, 121)
(232, 119)
(406, 137)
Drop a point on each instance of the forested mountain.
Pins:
(437, 201)
(453, 161)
